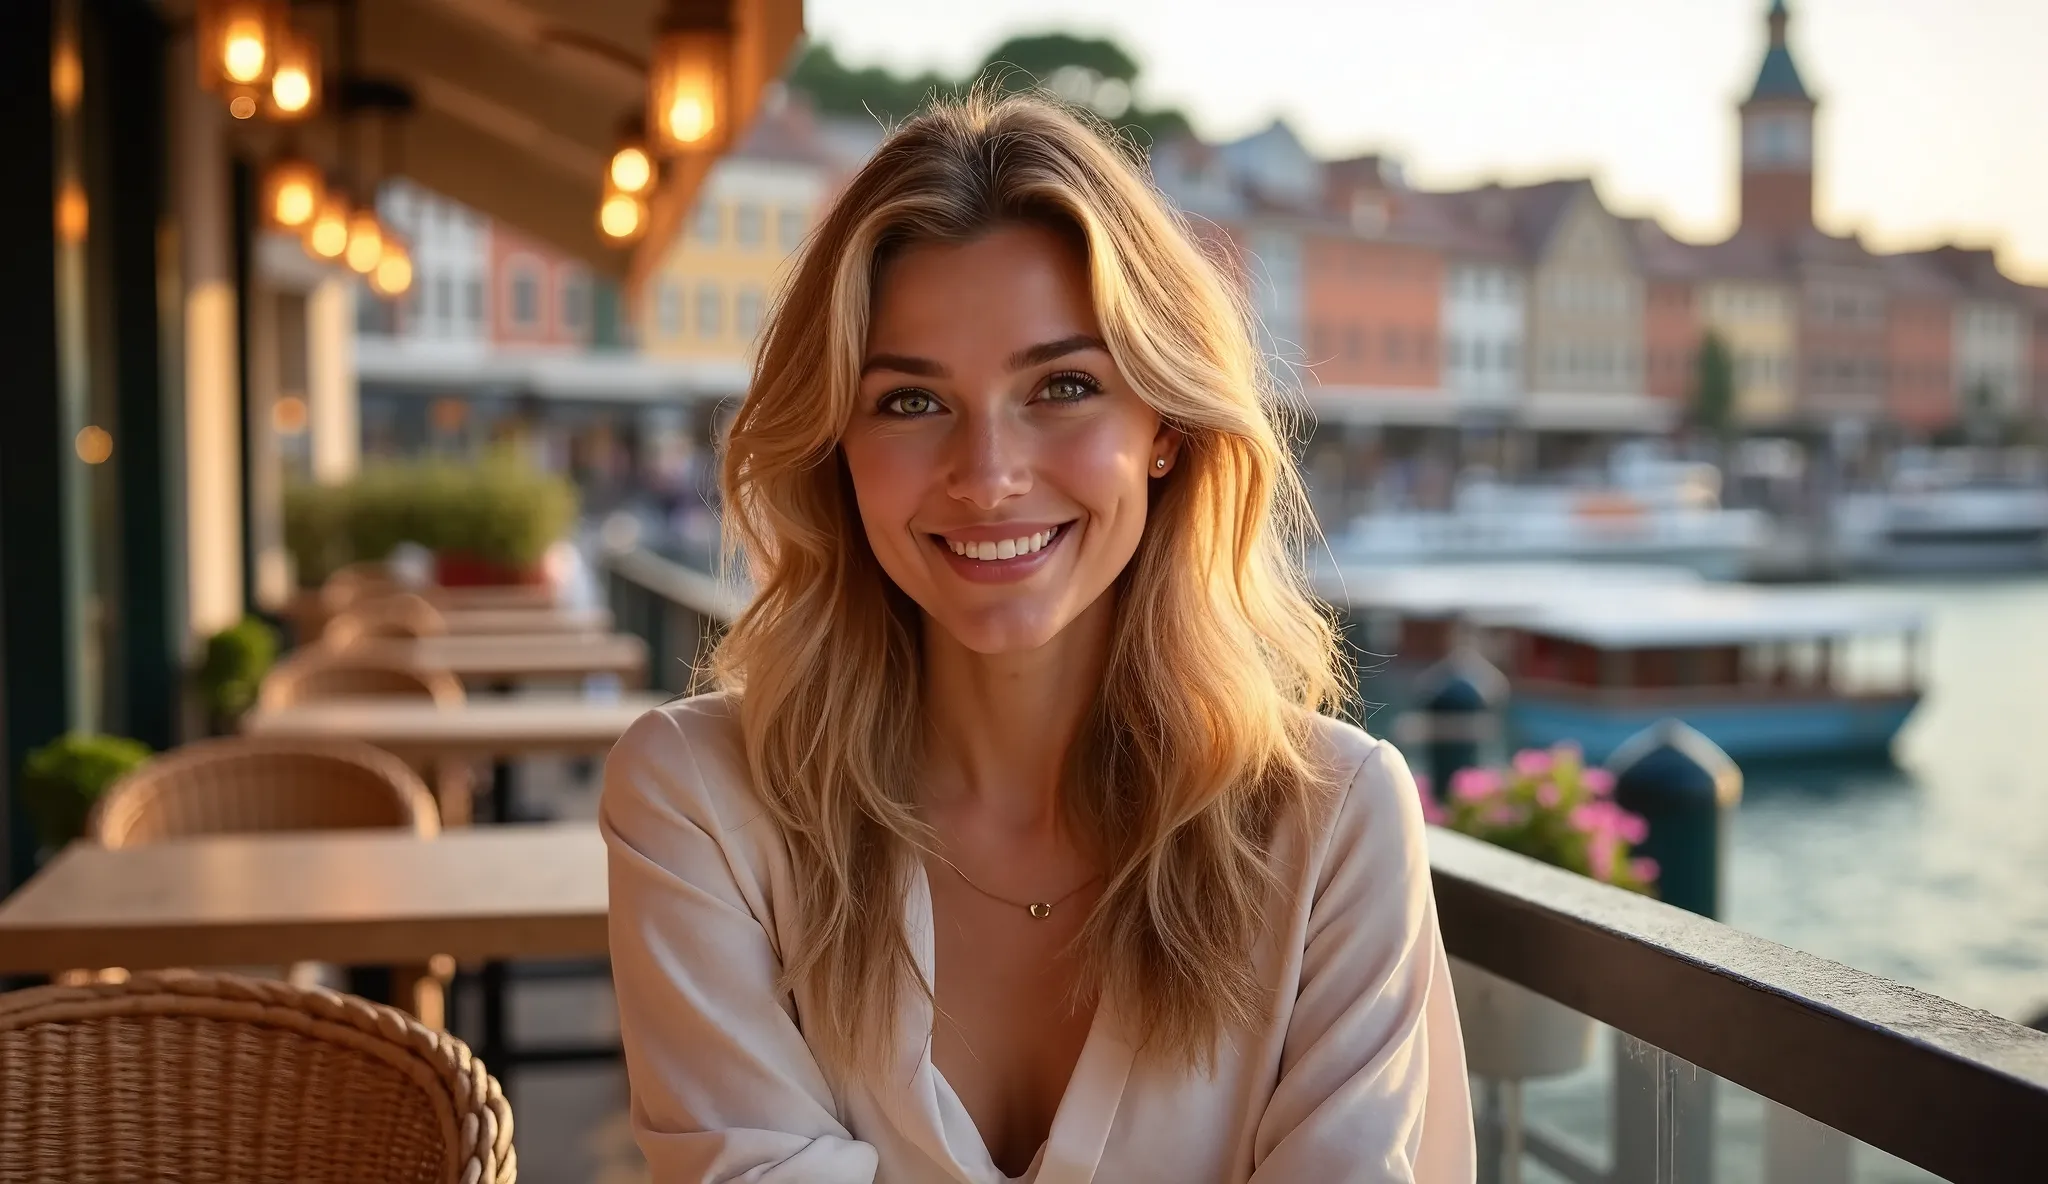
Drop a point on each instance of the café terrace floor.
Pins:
(569, 1121)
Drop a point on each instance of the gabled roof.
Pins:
(1664, 257)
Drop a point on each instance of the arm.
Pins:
(723, 1086)
(1372, 1081)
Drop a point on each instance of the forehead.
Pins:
(1015, 286)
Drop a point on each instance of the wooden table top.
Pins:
(528, 620)
(484, 656)
(489, 727)
(528, 596)
(360, 897)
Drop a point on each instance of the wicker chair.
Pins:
(324, 672)
(399, 614)
(239, 785)
(174, 1075)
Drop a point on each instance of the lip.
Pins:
(1000, 571)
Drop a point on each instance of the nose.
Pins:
(990, 461)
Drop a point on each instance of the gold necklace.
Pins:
(1039, 909)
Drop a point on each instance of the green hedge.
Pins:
(62, 780)
(237, 658)
(498, 511)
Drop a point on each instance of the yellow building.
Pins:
(1758, 319)
(707, 299)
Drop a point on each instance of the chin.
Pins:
(1009, 629)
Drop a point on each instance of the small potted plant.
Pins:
(1550, 806)
(237, 658)
(63, 780)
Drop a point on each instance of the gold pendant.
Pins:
(1041, 910)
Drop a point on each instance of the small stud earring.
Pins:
(1159, 463)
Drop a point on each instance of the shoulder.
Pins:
(683, 762)
(1370, 821)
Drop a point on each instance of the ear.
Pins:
(1165, 446)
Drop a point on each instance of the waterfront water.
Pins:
(1932, 871)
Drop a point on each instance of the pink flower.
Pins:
(1433, 814)
(1422, 787)
(1601, 856)
(1548, 795)
(1631, 827)
(1591, 818)
(1532, 762)
(1475, 785)
(1644, 869)
(1598, 782)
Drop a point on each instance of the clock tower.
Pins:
(1777, 143)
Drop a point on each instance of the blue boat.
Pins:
(1764, 673)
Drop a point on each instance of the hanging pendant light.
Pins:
(621, 217)
(392, 276)
(292, 190)
(294, 90)
(689, 81)
(237, 42)
(365, 241)
(327, 230)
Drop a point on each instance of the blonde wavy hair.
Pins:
(1201, 736)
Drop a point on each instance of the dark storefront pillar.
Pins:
(35, 611)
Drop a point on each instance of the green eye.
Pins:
(909, 403)
(1071, 388)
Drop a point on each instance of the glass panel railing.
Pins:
(1562, 1099)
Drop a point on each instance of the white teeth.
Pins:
(1006, 548)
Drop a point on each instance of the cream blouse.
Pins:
(1359, 1075)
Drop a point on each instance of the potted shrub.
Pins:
(1550, 806)
(62, 780)
(501, 519)
(237, 658)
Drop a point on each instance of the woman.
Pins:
(1012, 844)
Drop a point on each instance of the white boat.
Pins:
(1649, 510)
(1952, 511)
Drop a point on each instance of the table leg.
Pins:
(495, 1045)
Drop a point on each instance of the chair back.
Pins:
(398, 614)
(325, 673)
(173, 1075)
(241, 784)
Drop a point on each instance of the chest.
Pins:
(1012, 1018)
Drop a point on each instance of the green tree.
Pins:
(1713, 390)
(1090, 72)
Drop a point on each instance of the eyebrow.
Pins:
(1031, 355)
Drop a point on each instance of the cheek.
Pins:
(1104, 468)
(886, 485)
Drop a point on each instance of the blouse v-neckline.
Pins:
(926, 1108)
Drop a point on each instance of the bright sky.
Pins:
(1933, 122)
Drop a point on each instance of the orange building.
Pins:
(1920, 355)
(1370, 308)
(1671, 316)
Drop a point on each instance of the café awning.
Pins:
(518, 104)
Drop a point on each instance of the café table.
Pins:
(349, 897)
(556, 619)
(491, 596)
(501, 660)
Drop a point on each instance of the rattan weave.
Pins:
(394, 614)
(212, 1078)
(240, 784)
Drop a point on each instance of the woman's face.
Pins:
(1000, 461)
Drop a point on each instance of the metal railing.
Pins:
(1946, 1088)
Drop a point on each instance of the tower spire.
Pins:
(1777, 140)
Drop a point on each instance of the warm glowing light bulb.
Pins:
(327, 234)
(393, 276)
(243, 50)
(631, 169)
(620, 216)
(93, 444)
(365, 242)
(242, 107)
(689, 118)
(288, 415)
(291, 89)
(74, 213)
(295, 201)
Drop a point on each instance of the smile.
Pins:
(1002, 560)
(998, 550)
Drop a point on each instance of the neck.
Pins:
(999, 726)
